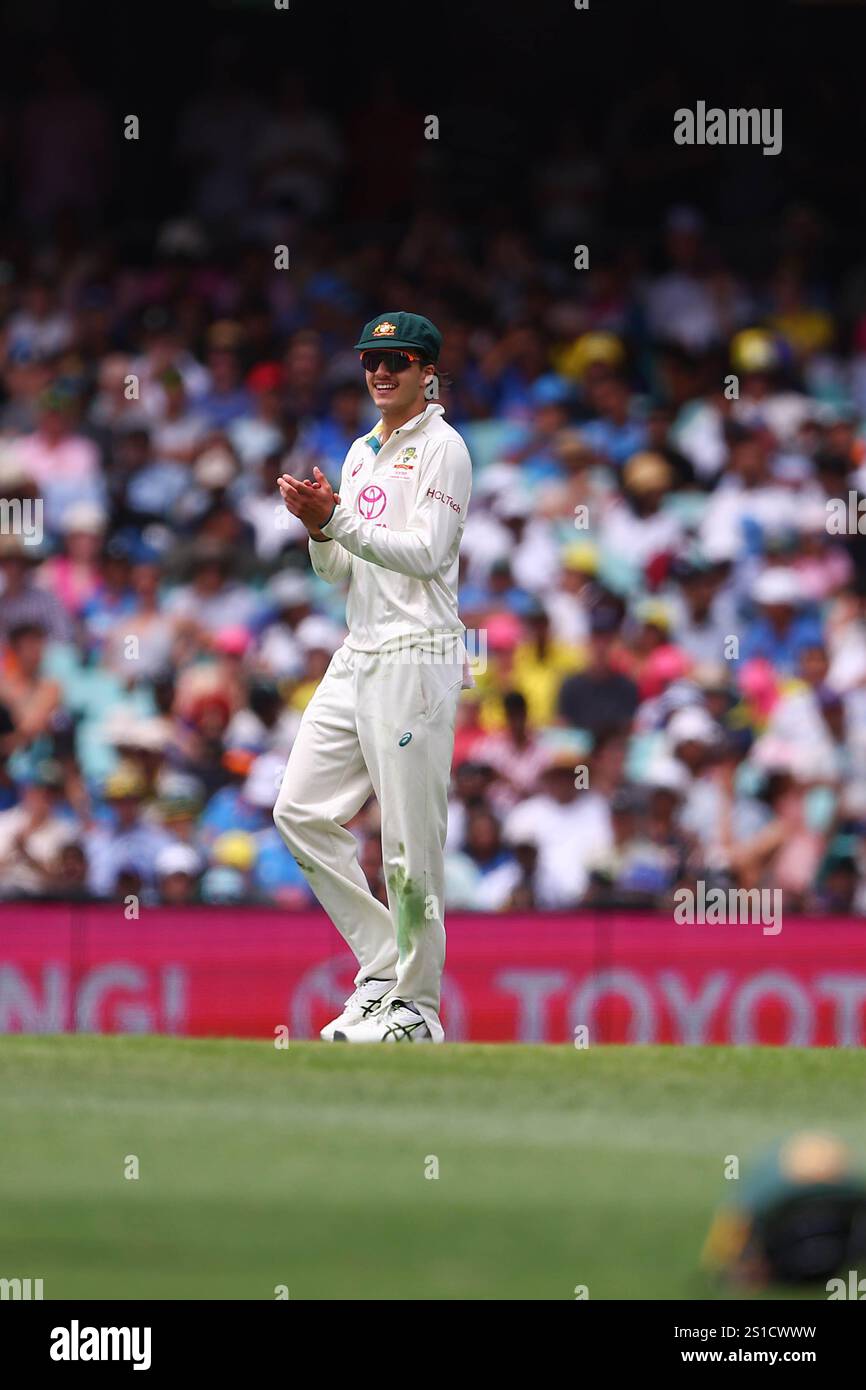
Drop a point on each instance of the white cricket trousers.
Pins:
(384, 724)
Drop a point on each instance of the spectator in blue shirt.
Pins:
(783, 629)
(129, 842)
(227, 399)
(615, 432)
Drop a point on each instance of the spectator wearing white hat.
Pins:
(783, 626)
(178, 869)
(714, 811)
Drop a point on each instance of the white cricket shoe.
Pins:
(362, 1004)
(399, 1021)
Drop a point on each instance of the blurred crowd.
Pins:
(667, 633)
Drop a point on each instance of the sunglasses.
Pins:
(394, 361)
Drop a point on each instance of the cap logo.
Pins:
(384, 330)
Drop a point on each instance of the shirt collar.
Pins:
(374, 437)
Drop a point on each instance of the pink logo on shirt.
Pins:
(358, 466)
(371, 502)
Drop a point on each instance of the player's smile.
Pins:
(385, 386)
(391, 391)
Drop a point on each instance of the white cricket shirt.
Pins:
(395, 534)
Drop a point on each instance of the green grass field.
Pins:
(306, 1167)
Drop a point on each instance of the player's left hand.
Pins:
(311, 502)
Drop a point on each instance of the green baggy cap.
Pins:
(411, 332)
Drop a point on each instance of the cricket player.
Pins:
(382, 719)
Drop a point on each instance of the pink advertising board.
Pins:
(623, 977)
